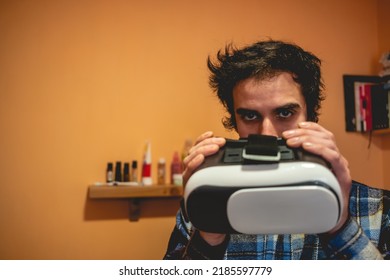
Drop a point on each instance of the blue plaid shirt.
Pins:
(366, 235)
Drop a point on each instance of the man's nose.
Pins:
(268, 128)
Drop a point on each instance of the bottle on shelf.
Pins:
(110, 173)
(118, 171)
(161, 171)
(147, 166)
(126, 172)
(134, 172)
(176, 170)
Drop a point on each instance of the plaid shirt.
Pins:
(366, 235)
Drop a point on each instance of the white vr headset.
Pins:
(258, 185)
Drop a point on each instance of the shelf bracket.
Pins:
(134, 209)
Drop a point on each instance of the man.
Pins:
(275, 88)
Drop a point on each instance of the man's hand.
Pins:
(317, 140)
(205, 145)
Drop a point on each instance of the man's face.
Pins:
(268, 106)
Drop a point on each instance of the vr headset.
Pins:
(258, 185)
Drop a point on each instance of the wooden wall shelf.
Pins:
(107, 191)
(134, 194)
(381, 131)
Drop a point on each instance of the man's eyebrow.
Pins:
(289, 106)
(243, 111)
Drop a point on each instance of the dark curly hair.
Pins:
(263, 60)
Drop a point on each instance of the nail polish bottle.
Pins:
(134, 171)
(109, 173)
(126, 172)
(118, 171)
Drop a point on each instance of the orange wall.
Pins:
(87, 82)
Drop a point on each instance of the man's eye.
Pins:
(284, 114)
(250, 116)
